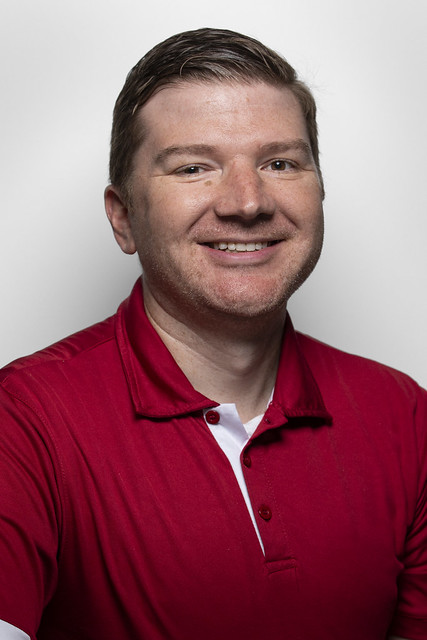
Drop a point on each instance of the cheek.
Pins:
(175, 213)
(303, 207)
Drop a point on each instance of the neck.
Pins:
(229, 362)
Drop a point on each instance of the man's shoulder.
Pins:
(329, 362)
(83, 344)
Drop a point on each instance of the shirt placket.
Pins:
(268, 514)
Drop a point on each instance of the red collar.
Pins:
(159, 388)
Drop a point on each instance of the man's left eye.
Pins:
(191, 170)
(281, 165)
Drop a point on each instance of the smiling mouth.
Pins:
(233, 247)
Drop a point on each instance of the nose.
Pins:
(242, 193)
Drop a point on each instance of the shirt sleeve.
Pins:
(29, 516)
(411, 613)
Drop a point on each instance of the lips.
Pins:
(240, 246)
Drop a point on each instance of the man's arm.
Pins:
(29, 517)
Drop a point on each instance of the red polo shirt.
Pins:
(121, 518)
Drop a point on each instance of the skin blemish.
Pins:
(208, 183)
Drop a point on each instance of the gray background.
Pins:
(62, 66)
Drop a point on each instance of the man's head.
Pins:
(203, 55)
(215, 179)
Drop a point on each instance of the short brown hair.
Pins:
(200, 55)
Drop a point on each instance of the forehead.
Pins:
(185, 112)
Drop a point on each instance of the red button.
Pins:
(247, 460)
(265, 512)
(212, 417)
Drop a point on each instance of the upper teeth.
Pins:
(240, 246)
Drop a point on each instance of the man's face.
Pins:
(226, 203)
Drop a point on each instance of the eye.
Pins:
(190, 170)
(281, 165)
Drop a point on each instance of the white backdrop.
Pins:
(62, 66)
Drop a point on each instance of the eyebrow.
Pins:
(297, 144)
(278, 147)
(192, 149)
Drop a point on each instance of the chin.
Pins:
(245, 306)
(260, 299)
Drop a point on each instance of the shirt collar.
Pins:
(159, 388)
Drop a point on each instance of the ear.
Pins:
(118, 215)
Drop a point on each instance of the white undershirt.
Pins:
(232, 435)
(9, 632)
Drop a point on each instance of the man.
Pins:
(192, 467)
